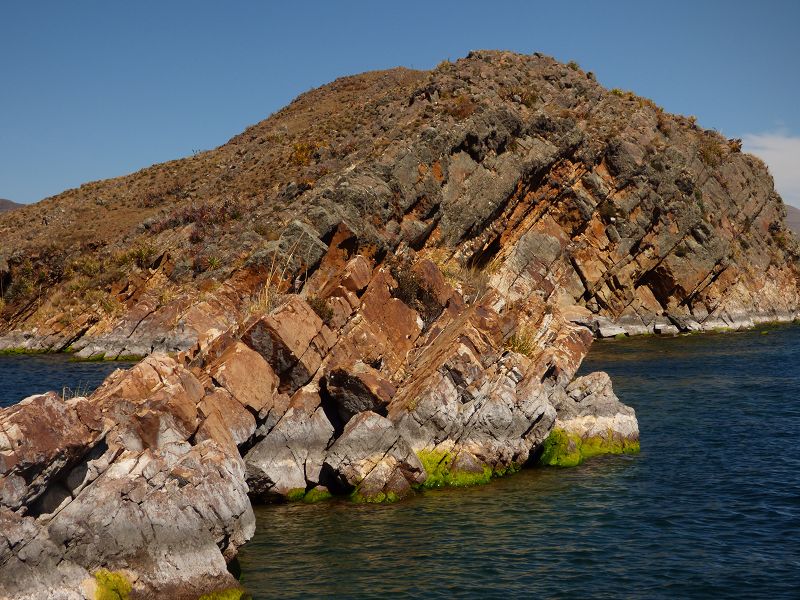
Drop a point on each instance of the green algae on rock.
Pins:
(317, 494)
(111, 585)
(375, 498)
(563, 449)
(234, 593)
(445, 470)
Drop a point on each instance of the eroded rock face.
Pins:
(590, 420)
(123, 481)
(417, 321)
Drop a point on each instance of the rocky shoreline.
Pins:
(363, 317)
(601, 327)
(372, 405)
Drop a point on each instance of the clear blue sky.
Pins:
(95, 89)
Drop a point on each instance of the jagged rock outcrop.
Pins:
(517, 167)
(590, 420)
(121, 481)
(414, 387)
(364, 314)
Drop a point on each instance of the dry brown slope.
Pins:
(793, 218)
(638, 213)
(6, 205)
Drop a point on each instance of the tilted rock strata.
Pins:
(408, 311)
(591, 420)
(517, 167)
(149, 477)
(121, 481)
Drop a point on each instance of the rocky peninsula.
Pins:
(387, 286)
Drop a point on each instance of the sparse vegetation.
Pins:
(461, 107)
(320, 306)
(710, 150)
(473, 282)
(204, 216)
(523, 341)
(112, 585)
(302, 153)
(411, 291)
(80, 390)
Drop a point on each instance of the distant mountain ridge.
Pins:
(793, 218)
(8, 205)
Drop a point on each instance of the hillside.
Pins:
(652, 215)
(6, 205)
(387, 286)
(793, 218)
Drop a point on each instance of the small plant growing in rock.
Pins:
(214, 262)
(473, 282)
(413, 294)
(573, 65)
(68, 393)
(710, 151)
(523, 341)
(302, 153)
(274, 291)
(461, 108)
(320, 306)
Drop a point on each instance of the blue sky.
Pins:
(95, 89)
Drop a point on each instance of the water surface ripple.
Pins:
(22, 375)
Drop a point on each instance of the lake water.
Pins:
(26, 374)
(709, 508)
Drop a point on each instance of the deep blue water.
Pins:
(24, 375)
(709, 508)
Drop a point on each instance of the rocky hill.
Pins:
(387, 286)
(483, 165)
(793, 218)
(6, 205)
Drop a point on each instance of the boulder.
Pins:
(245, 374)
(41, 438)
(591, 420)
(289, 459)
(373, 461)
(358, 389)
(293, 340)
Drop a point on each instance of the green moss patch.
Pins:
(129, 358)
(20, 351)
(438, 466)
(296, 494)
(379, 498)
(316, 495)
(562, 449)
(111, 585)
(228, 594)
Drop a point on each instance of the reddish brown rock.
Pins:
(246, 375)
(41, 438)
(292, 340)
(225, 419)
(356, 275)
(358, 389)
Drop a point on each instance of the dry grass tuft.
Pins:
(523, 341)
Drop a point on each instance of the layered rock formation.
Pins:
(363, 309)
(403, 385)
(516, 167)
